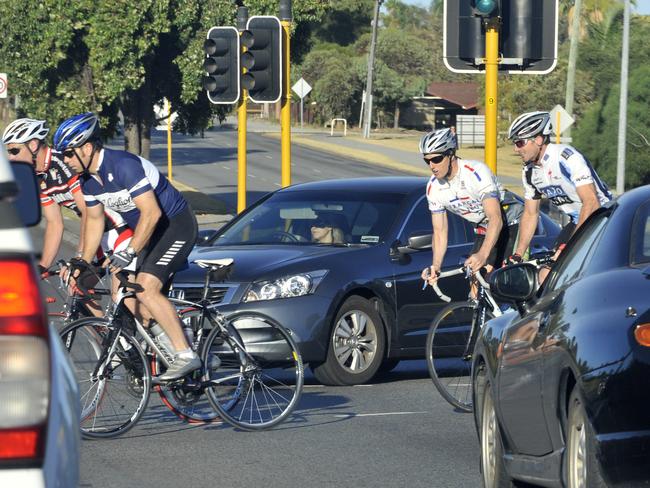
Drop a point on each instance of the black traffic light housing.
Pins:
(221, 64)
(263, 59)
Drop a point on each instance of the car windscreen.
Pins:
(315, 217)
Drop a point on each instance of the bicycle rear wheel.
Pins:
(449, 353)
(257, 388)
(114, 394)
(186, 399)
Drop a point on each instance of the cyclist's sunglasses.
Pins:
(68, 153)
(520, 143)
(435, 159)
(14, 151)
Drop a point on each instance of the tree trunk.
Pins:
(396, 119)
(138, 117)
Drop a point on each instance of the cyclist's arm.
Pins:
(590, 202)
(527, 225)
(81, 205)
(439, 240)
(93, 231)
(150, 214)
(53, 233)
(492, 209)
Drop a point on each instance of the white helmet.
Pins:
(438, 141)
(529, 125)
(24, 130)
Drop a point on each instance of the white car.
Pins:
(39, 399)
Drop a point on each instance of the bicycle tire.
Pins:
(113, 404)
(447, 342)
(259, 388)
(187, 403)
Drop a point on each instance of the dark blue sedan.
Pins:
(562, 385)
(338, 262)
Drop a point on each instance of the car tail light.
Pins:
(24, 364)
(642, 334)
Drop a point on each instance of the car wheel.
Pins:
(492, 466)
(581, 466)
(356, 346)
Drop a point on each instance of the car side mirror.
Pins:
(417, 241)
(26, 197)
(516, 284)
(204, 237)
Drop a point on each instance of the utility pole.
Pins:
(371, 66)
(622, 109)
(573, 57)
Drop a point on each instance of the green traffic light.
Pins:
(485, 7)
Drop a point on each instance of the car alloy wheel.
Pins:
(582, 469)
(355, 341)
(489, 441)
(577, 465)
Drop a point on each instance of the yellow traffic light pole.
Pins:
(491, 89)
(285, 114)
(242, 17)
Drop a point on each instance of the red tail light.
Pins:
(642, 334)
(24, 365)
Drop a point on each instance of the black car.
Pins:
(561, 385)
(354, 304)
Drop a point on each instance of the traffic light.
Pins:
(263, 59)
(222, 65)
(487, 8)
(527, 35)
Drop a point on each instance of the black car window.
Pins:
(419, 220)
(294, 217)
(641, 235)
(578, 254)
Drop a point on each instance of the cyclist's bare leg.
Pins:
(152, 303)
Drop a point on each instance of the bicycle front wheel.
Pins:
(256, 386)
(113, 387)
(449, 353)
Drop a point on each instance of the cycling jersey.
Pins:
(561, 171)
(465, 192)
(57, 183)
(122, 176)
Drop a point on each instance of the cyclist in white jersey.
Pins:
(470, 190)
(557, 171)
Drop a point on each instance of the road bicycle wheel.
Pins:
(257, 388)
(449, 353)
(186, 399)
(114, 390)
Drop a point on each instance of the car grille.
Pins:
(216, 294)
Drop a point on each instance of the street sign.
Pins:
(301, 87)
(3, 85)
(561, 120)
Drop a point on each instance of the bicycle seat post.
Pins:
(206, 285)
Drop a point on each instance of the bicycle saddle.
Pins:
(214, 263)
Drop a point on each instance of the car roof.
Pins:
(386, 184)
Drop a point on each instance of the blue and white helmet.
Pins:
(529, 125)
(438, 141)
(76, 131)
(21, 131)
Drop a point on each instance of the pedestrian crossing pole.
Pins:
(491, 91)
(285, 113)
(242, 18)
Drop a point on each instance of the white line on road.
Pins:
(226, 168)
(268, 157)
(348, 415)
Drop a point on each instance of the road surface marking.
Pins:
(348, 415)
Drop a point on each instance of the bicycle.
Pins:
(114, 369)
(454, 332)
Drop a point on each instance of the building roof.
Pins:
(463, 94)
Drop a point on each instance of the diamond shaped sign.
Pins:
(561, 120)
(301, 87)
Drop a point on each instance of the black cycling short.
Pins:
(170, 244)
(504, 246)
(564, 235)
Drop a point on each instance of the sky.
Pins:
(642, 6)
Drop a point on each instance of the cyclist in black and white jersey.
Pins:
(470, 190)
(162, 221)
(25, 139)
(557, 171)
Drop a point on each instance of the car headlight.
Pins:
(286, 287)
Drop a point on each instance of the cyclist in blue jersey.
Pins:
(557, 171)
(164, 226)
